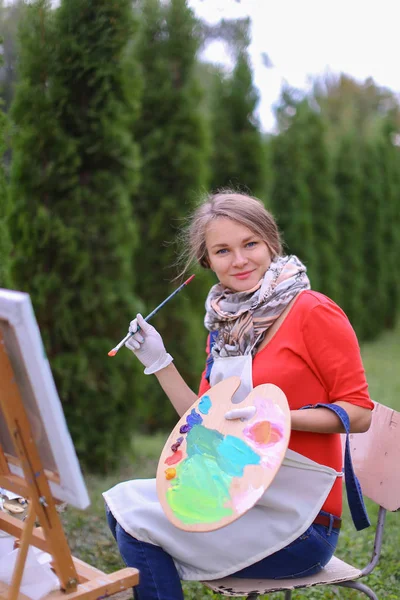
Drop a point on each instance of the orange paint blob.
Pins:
(112, 353)
(174, 458)
(170, 473)
(261, 432)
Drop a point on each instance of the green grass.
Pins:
(91, 541)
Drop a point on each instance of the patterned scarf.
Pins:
(243, 318)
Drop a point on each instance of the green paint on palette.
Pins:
(231, 453)
(201, 440)
(200, 491)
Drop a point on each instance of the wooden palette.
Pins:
(213, 469)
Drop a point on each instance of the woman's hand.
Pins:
(148, 346)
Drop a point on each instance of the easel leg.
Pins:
(22, 554)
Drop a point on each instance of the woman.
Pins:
(266, 326)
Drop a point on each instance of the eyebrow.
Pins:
(223, 245)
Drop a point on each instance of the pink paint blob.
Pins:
(174, 458)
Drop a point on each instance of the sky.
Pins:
(309, 37)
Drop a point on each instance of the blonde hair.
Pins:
(241, 208)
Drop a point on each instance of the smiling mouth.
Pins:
(242, 274)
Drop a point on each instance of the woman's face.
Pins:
(237, 255)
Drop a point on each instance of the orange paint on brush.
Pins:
(174, 458)
(170, 473)
(112, 353)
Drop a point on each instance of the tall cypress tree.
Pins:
(74, 171)
(324, 204)
(290, 195)
(238, 151)
(223, 155)
(172, 135)
(247, 138)
(351, 229)
(5, 243)
(389, 156)
(375, 223)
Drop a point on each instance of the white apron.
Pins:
(283, 513)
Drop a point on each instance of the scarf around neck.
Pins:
(243, 318)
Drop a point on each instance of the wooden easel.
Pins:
(78, 579)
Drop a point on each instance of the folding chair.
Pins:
(376, 461)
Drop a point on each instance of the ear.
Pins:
(205, 263)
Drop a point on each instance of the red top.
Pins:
(314, 357)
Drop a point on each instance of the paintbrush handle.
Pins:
(122, 342)
(153, 312)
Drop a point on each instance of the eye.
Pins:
(222, 251)
(251, 244)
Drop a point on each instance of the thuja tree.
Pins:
(389, 158)
(248, 143)
(36, 143)
(324, 204)
(375, 228)
(348, 179)
(223, 154)
(5, 244)
(238, 150)
(290, 194)
(173, 139)
(74, 171)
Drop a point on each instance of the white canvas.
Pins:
(41, 401)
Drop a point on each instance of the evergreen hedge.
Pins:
(375, 267)
(173, 138)
(238, 158)
(290, 195)
(351, 229)
(74, 171)
(390, 167)
(5, 242)
(324, 206)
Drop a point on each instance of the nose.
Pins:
(239, 259)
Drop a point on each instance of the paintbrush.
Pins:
(114, 351)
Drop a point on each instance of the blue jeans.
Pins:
(159, 579)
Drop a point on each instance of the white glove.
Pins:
(148, 346)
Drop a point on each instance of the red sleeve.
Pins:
(204, 385)
(333, 348)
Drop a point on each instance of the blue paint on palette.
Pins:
(194, 418)
(234, 454)
(205, 405)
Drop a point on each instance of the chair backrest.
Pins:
(376, 458)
